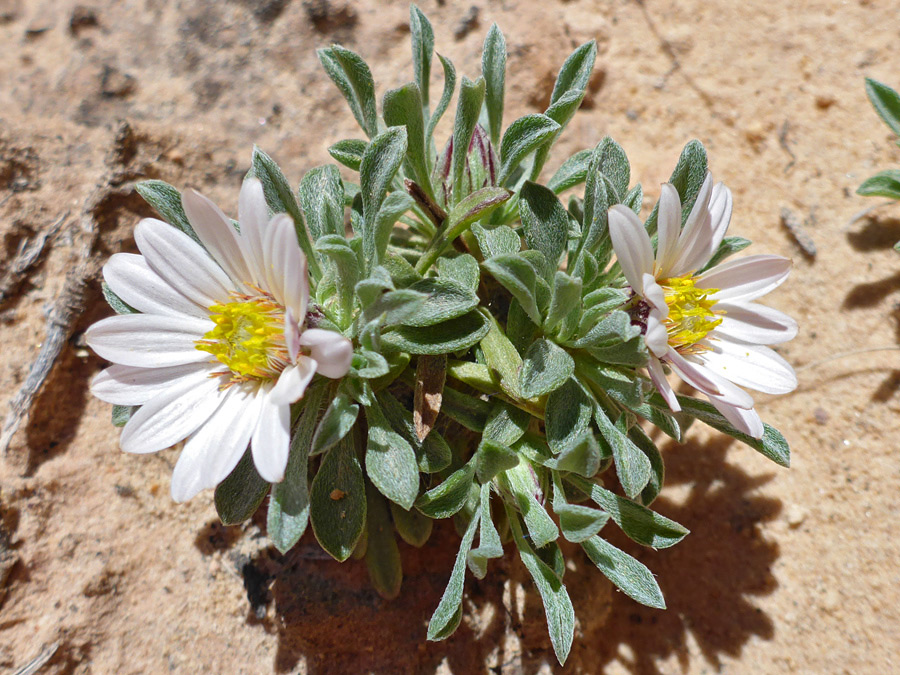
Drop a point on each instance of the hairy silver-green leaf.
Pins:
(444, 102)
(403, 107)
(422, 38)
(441, 338)
(444, 300)
(522, 482)
(382, 554)
(571, 173)
(471, 96)
(354, 79)
(240, 494)
(521, 138)
(337, 501)
(883, 184)
(886, 102)
(544, 221)
(491, 458)
(493, 68)
(390, 460)
(500, 240)
(518, 276)
(348, 152)
(687, 178)
(545, 367)
(630, 576)
(449, 611)
(448, 497)
(565, 305)
(568, 414)
(577, 522)
(413, 527)
(380, 162)
(632, 466)
(339, 418)
(322, 200)
(489, 544)
(463, 269)
(166, 201)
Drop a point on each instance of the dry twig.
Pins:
(38, 661)
(28, 255)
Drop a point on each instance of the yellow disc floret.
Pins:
(691, 316)
(248, 337)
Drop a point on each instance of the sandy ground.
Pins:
(786, 571)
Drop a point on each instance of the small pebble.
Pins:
(796, 514)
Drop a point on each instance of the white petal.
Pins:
(657, 337)
(286, 265)
(172, 415)
(658, 375)
(130, 277)
(217, 234)
(654, 294)
(126, 385)
(708, 382)
(746, 278)
(271, 439)
(720, 205)
(669, 228)
(694, 244)
(216, 448)
(747, 421)
(750, 366)
(253, 215)
(757, 324)
(293, 381)
(332, 351)
(291, 335)
(148, 340)
(632, 245)
(182, 262)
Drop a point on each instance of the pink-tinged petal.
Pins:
(657, 337)
(130, 277)
(271, 440)
(694, 245)
(126, 385)
(668, 228)
(751, 366)
(149, 340)
(253, 215)
(291, 335)
(286, 268)
(172, 415)
(632, 245)
(293, 381)
(216, 448)
(757, 324)
(332, 351)
(720, 205)
(655, 295)
(708, 382)
(658, 376)
(218, 235)
(747, 421)
(746, 279)
(182, 262)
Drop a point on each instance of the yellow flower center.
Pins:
(248, 337)
(691, 315)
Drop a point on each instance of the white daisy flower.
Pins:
(219, 350)
(705, 326)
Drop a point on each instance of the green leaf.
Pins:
(501, 357)
(582, 456)
(493, 68)
(572, 172)
(630, 576)
(166, 201)
(466, 410)
(442, 338)
(883, 184)
(348, 152)
(382, 554)
(632, 465)
(561, 112)
(728, 247)
(544, 220)
(597, 200)
(346, 274)
(522, 483)
(450, 496)
(545, 368)
(568, 415)
(613, 163)
(353, 77)
(557, 604)
(390, 460)
(280, 198)
(433, 453)
(657, 467)
(635, 198)
(886, 102)
(240, 494)
(491, 458)
(288, 513)
(339, 418)
(338, 501)
(403, 107)
(463, 269)
(422, 37)
(489, 544)
(576, 71)
(578, 523)
(772, 445)
(322, 200)
(523, 137)
(506, 424)
(518, 276)
(687, 178)
(501, 240)
(392, 208)
(468, 107)
(630, 353)
(118, 305)
(565, 302)
(413, 527)
(444, 300)
(449, 611)
(638, 522)
(382, 159)
(444, 102)
(614, 329)
(122, 413)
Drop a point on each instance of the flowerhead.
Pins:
(704, 324)
(219, 349)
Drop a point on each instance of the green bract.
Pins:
(497, 376)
